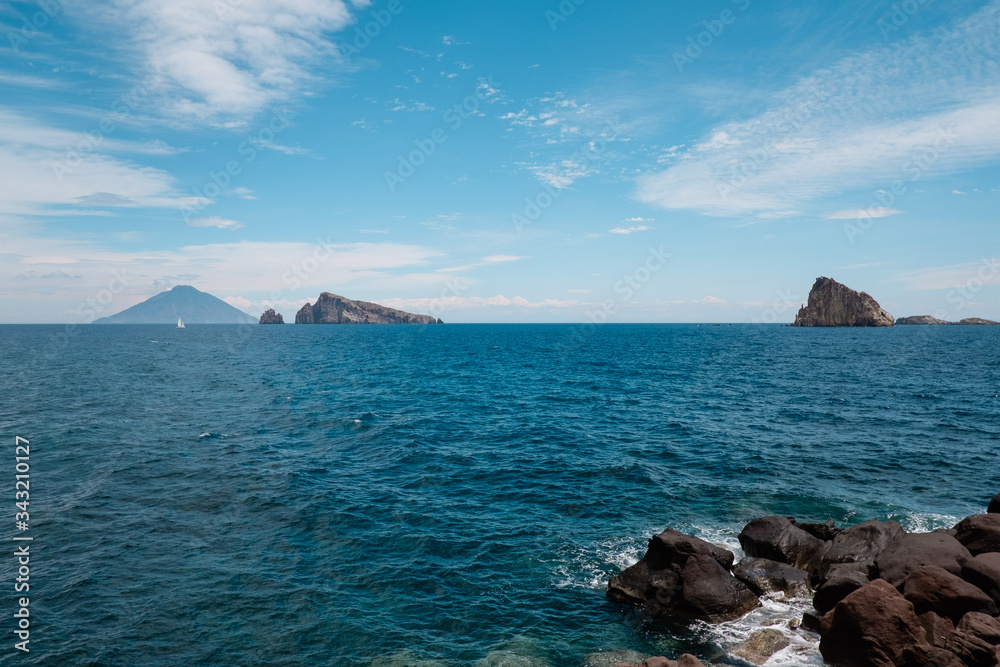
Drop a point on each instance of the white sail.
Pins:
(180, 323)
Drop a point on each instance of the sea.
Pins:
(442, 496)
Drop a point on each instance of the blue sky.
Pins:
(506, 161)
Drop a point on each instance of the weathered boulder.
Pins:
(683, 578)
(914, 550)
(971, 650)
(858, 544)
(825, 531)
(841, 580)
(763, 575)
(938, 628)
(874, 626)
(983, 571)
(778, 538)
(994, 507)
(979, 533)
(761, 646)
(832, 304)
(981, 625)
(686, 660)
(270, 317)
(334, 309)
(930, 588)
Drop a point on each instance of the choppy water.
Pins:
(457, 494)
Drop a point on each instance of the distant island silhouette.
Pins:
(183, 301)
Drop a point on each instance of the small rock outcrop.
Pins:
(994, 507)
(979, 533)
(832, 304)
(270, 317)
(920, 319)
(681, 579)
(780, 539)
(927, 319)
(334, 309)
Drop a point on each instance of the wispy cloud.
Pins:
(226, 59)
(856, 213)
(220, 223)
(972, 275)
(501, 259)
(863, 122)
(629, 230)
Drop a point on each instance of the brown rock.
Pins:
(778, 538)
(994, 507)
(270, 317)
(333, 309)
(938, 628)
(983, 571)
(914, 550)
(971, 650)
(874, 627)
(979, 533)
(763, 575)
(841, 580)
(858, 544)
(930, 588)
(980, 625)
(683, 578)
(834, 305)
(762, 645)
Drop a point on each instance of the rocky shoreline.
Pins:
(882, 597)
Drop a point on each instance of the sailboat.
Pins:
(180, 323)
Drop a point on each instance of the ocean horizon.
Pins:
(457, 495)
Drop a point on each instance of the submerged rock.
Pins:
(686, 660)
(682, 578)
(762, 645)
(832, 304)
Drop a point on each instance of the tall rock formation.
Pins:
(834, 305)
(270, 317)
(334, 309)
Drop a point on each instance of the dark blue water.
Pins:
(388, 495)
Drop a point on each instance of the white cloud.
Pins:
(638, 220)
(713, 300)
(629, 230)
(499, 259)
(214, 221)
(864, 122)
(42, 176)
(970, 275)
(858, 213)
(239, 302)
(453, 303)
(229, 58)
